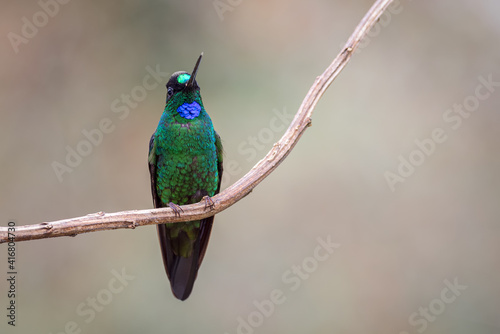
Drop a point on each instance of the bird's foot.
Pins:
(177, 209)
(209, 204)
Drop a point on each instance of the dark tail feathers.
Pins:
(182, 271)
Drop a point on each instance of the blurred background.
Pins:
(414, 253)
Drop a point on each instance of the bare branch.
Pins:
(131, 219)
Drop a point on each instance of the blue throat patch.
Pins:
(189, 110)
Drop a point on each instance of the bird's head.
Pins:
(183, 82)
(183, 89)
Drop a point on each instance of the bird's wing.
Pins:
(152, 171)
(220, 153)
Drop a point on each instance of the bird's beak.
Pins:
(190, 83)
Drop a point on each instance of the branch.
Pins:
(131, 219)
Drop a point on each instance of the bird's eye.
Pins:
(170, 91)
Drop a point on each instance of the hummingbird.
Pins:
(185, 164)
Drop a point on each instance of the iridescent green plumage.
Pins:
(185, 162)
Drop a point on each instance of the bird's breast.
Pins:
(186, 162)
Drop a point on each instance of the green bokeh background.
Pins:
(396, 248)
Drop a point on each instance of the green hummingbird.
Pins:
(185, 163)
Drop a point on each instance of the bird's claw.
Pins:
(175, 208)
(209, 204)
